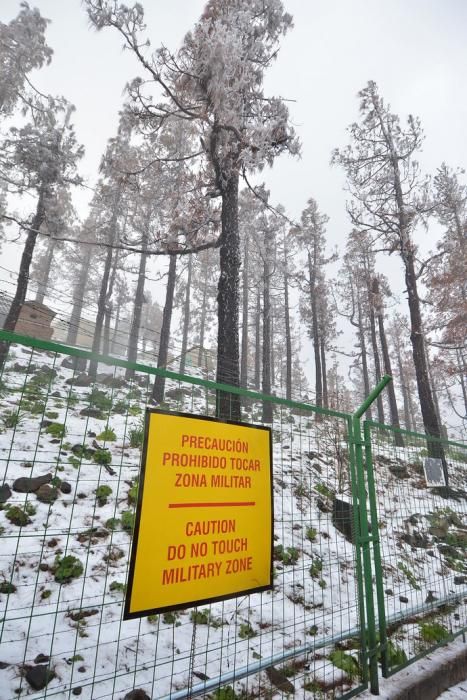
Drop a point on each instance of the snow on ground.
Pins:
(75, 622)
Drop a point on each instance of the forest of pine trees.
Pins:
(184, 256)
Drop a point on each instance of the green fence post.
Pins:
(365, 536)
(376, 550)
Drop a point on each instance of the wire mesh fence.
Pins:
(70, 451)
(422, 576)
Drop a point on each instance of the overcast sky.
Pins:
(415, 50)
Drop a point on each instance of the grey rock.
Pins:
(77, 691)
(31, 484)
(46, 494)
(81, 380)
(92, 413)
(65, 487)
(403, 599)
(39, 676)
(137, 694)
(5, 493)
(41, 659)
(460, 580)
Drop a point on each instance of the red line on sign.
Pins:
(207, 505)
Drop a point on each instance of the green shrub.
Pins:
(18, 515)
(117, 587)
(288, 556)
(136, 435)
(6, 587)
(46, 594)
(225, 693)
(57, 430)
(100, 400)
(102, 456)
(409, 575)
(102, 494)
(120, 407)
(324, 490)
(67, 568)
(128, 520)
(433, 632)
(108, 435)
(311, 534)
(171, 618)
(345, 662)
(246, 631)
(316, 568)
(51, 415)
(133, 493)
(12, 418)
(112, 523)
(396, 655)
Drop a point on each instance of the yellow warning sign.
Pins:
(203, 529)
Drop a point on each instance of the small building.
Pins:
(35, 320)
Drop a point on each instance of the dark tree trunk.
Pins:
(266, 376)
(132, 350)
(315, 333)
(427, 406)
(245, 300)
(288, 341)
(43, 282)
(23, 275)
(113, 343)
(366, 375)
(158, 388)
(186, 316)
(325, 374)
(202, 323)
(78, 298)
(258, 340)
(374, 345)
(387, 363)
(101, 306)
(228, 372)
(461, 364)
(407, 416)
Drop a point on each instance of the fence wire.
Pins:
(70, 451)
(422, 582)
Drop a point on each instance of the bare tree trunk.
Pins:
(266, 376)
(42, 283)
(462, 365)
(132, 350)
(113, 342)
(407, 416)
(288, 341)
(202, 323)
(228, 372)
(101, 306)
(325, 374)
(78, 298)
(245, 300)
(257, 340)
(158, 388)
(186, 316)
(23, 275)
(374, 345)
(315, 332)
(366, 376)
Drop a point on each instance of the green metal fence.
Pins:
(65, 546)
(420, 548)
(69, 464)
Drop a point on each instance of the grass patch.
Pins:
(102, 494)
(67, 568)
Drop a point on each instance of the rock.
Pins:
(46, 494)
(43, 566)
(81, 669)
(3, 665)
(430, 597)
(92, 413)
(399, 470)
(45, 423)
(460, 580)
(31, 484)
(389, 591)
(65, 487)
(403, 599)
(81, 380)
(77, 690)
(137, 694)
(41, 659)
(342, 518)
(5, 493)
(416, 539)
(39, 676)
(323, 505)
(281, 681)
(56, 394)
